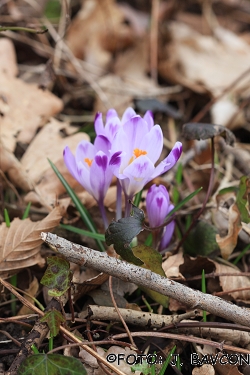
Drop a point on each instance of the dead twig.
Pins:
(143, 277)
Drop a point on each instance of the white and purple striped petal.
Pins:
(100, 176)
(168, 232)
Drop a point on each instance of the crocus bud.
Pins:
(158, 206)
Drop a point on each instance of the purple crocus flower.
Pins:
(90, 167)
(113, 123)
(158, 207)
(135, 149)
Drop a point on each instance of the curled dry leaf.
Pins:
(228, 243)
(171, 265)
(12, 166)
(32, 291)
(20, 243)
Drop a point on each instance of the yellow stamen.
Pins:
(138, 152)
(88, 161)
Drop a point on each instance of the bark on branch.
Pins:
(143, 277)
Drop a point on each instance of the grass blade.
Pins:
(96, 236)
(26, 212)
(86, 218)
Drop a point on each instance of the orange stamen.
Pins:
(138, 152)
(88, 161)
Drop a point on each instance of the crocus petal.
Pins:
(99, 127)
(100, 176)
(77, 169)
(135, 129)
(70, 162)
(113, 124)
(168, 232)
(85, 150)
(127, 115)
(153, 143)
(169, 161)
(138, 173)
(111, 114)
(102, 144)
(122, 142)
(149, 118)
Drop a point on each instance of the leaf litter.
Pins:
(197, 66)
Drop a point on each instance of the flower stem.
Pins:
(118, 201)
(103, 213)
(127, 206)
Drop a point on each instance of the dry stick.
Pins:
(40, 331)
(221, 346)
(143, 277)
(138, 318)
(120, 315)
(154, 40)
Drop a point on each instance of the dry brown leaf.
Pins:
(97, 31)
(12, 166)
(224, 367)
(20, 243)
(171, 265)
(130, 79)
(32, 291)
(8, 63)
(204, 63)
(225, 112)
(227, 244)
(49, 144)
(24, 108)
(204, 370)
(228, 283)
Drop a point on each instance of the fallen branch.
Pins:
(143, 277)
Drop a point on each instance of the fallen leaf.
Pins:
(171, 265)
(24, 109)
(8, 63)
(32, 291)
(16, 172)
(225, 112)
(20, 243)
(130, 80)
(228, 283)
(204, 63)
(49, 144)
(97, 30)
(227, 244)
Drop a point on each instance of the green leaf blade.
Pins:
(52, 364)
(86, 218)
(57, 276)
(121, 233)
(54, 319)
